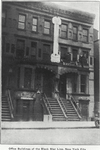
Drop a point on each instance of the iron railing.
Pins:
(76, 107)
(10, 104)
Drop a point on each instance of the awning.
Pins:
(63, 70)
(47, 67)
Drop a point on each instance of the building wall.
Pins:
(11, 34)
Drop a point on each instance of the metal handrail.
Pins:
(77, 109)
(10, 103)
(61, 107)
(45, 99)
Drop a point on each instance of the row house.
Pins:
(47, 58)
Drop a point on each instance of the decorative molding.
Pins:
(56, 10)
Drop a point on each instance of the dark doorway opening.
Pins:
(62, 86)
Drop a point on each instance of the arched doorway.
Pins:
(62, 86)
(44, 81)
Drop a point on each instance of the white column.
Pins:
(55, 57)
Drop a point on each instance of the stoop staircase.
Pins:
(5, 109)
(56, 110)
(70, 110)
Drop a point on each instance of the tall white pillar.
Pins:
(55, 57)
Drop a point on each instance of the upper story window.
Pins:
(33, 48)
(74, 33)
(3, 18)
(27, 51)
(46, 27)
(20, 48)
(75, 55)
(46, 52)
(64, 31)
(85, 54)
(10, 48)
(21, 22)
(65, 55)
(7, 47)
(13, 48)
(85, 35)
(91, 60)
(34, 24)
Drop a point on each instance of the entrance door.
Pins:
(47, 83)
(25, 116)
(62, 86)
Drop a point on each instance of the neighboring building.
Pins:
(96, 71)
(47, 49)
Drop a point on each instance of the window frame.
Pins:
(34, 24)
(49, 51)
(83, 84)
(49, 28)
(35, 49)
(75, 33)
(4, 24)
(64, 31)
(24, 23)
(24, 46)
(74, 49)
(86, 36)
(64, 48)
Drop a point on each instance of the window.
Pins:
(7, 47)
(46, 52)
(46, 27)
(84, 58)
(91, 61)
(85, 53)
(34, 25)
(13, 48)
(64, 31)
(20, 48)
(74, 33)
(85, 35)
(39, 53)
(83, 83)
(75, 55)
(27, 77)
(21, 23)
(65, 55)
(3, 18)
(27, 51)
(33, 48)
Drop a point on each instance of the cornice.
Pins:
(55, 10)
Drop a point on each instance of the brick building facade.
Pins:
(48, 50)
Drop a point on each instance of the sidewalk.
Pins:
(47, 125)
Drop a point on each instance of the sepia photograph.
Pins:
(50, 91)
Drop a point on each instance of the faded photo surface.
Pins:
(50, 74)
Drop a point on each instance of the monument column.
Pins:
(55, 57)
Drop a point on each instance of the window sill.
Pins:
(21, 29)
(64, 38)
(36, 32)
(46, 34)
